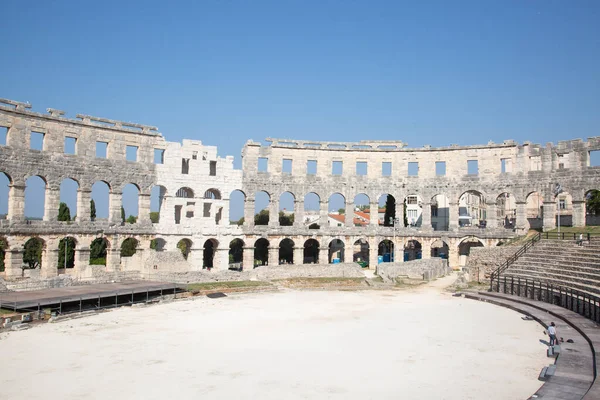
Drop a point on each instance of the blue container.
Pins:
(336, 260)
(379, 259)
(387, 257)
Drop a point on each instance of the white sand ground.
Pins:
(418, 344)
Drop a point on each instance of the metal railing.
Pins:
(569, 235)
(510, 260)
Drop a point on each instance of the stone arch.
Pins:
(464, 248)
(413, 250)
(534, 205)
(286, 208)
(66, 252)
(185, 247)
(130, 202)
(564, 211)
(362, 210)
(158, 244)
(236, 253)
(506, 211)
(208, 255)
(311, 252)
(261, 251)
(286, 251)
(387, 203)
(312, 210)
(5, 183)
(35, 197)
(471, 208)
(592, 207)
(101, 199)
(336, 201)
(385, 250)
(129, 247)
(439, 248)
(158, 195)
(212, 194)
(33, 253)
(237, 201)
(98, 251)
(262, 200)
(184, 193)
(440, 212)
(413, 210)
(360, 251)
(69, 189)
(336, 251)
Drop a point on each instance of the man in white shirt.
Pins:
(552, 333)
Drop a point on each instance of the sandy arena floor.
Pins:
(418, 344)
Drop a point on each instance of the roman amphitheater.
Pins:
(312, 208)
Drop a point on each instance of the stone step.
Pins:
(554, 264)
(560, 258)
(587, 280)
(591, 290)
(558, 271)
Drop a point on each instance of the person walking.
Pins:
(552, 334)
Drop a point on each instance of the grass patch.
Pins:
(6, 312)
(581, 229)
(321, 282)
(225, 285)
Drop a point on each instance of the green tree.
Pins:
(184, 246)
(98, 252)
(64, 214)
(341, 211)
(154, 217)
(593, 202)
(70, 243)
(314, 225)
(128, 248)
(3, 247)
(92, 210)
(240, 222)
(390, 211)
(286, 219)
(131, 219)
(32, 254)
(262, 218)
(122, 214)
(405, 217)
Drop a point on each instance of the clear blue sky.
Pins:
(425, 72)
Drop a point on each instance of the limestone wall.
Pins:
(417, 269)
(485, 260)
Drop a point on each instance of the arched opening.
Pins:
(35, 198)
(535, 210)
(100, 200)
(3, 249)
(208, 256)
(261, 208)
(236, 254)
(130, 203)
(158, 244)
(506, 211)
(157, 201)
(385, 250)
(440, 249)
(286, 251)
(471, 208)
(440, 213)
(32, 253)
(5, 183)
(360, 252)
(312, 210)
(464, 249)
(311, 252)
(98, 250)
(286, 209)
(185, 193)
(564, 212)
(67, 210)
(261, 252)
(336, 251)
(129, 247)
(412, 250)
(592, 207)
(387, 206)
(413, 211)
(362, 210)
(237, 200)
(212, 194)
(337, 210)
(66, 252)
(185, 247)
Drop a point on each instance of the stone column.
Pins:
(323, 255)
(453, 259)
(113, 258)
(578, 213)
(298, 213)
(274, 213)
(273, 256)
(426, 249)
(491, 218)
(248, 259)
(196, 259)
(249, 213)
(426, 216)
(221, 259)
(49, 267)
(82, 260)
(83, 205)
(349, 215)
(549, 215)
(143, 209)
(521, 223)
(298, 255)
(323, 213)
(51, 204)
(114, 208)
(13, 260)
(452, 216)
(400, 215)
(398, 251)
(373, 253)
(16, 203)
(374, 214)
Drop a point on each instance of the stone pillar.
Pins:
(249, 213)
(221, 259)
(349, 215)
(373, 253)
(13, 260)
(196, 259)
(491, 217)
(453, 259)
(143, 209)
(398, 251)
(51, 204)
(83, 205)
(273, 256)
(16, 203)
(298, 213)
(113, 258)
(426, 216)
(521, 223)
(578, 213)
(426, 249)
(298, 255)
(114, 208)
(273, 213)
(400, 215)
(82, 260)
(248, 259)
(452, 216)
(49, 267)
(374, 214)
(323, 255)
(323, 214)
(549, 215)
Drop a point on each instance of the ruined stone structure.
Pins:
(457, 197)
